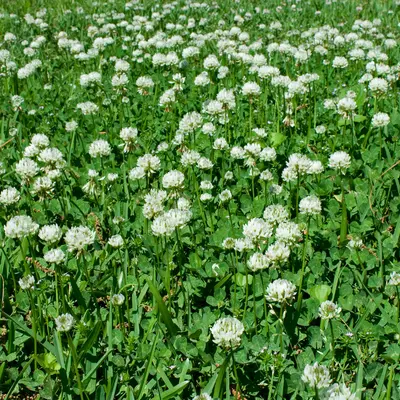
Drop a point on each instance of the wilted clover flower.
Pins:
(20, 226)
(281, 291)
(310, 205)
(394, 279)
(340, 161)
(64, 322)
(328, 310)
(227, 332)
(118, 299)
(317, 376)
(27, 282)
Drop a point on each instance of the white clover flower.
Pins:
(119, 80)
(252, 149)
(227, 332)
(378, 86)
(122, 66)
(251, 89)
(268, 154)
(340, 62)
(190, 122)
(208, 129)
(202, 79)
(173, 180)
(204, 197)
(211, 62)
(137, 173)
(203, 396)
(281, 291)
(9, 196)
(183, 204)
(20, 226)
(394, 279)
(257, 262)
(225, 195)
(50, 233)
(154, 203)
(88, 108)
(241, 245)
(71, 126)
(320, 129)
(64, 322)
(77, 238)
(278, 253)
(346, 107)
(117, 299)
(317, 376)
(355, 243)
(260, 132)
(144, 84)
(228, 175)
(310, 205)
(149, 163)
(204, 163)
(266, 175)
(40, 140)
(238, 153)
(27, 282)
(329, 310)
(380, 120)
(288, 232)
(257, 229)
(340, 161)
(227, 98)
(275, 214)
(116, 241)
(206, 185)
(31, 151)
(43, 186)
(55, 256)
(90, 79)
(53, 157)
(338, 392)
(26, 168)
(99, 148)
(316, 167)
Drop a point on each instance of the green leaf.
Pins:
(320, 292)
(170, 393)
(165, 314)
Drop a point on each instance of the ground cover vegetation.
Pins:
(199, 200)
